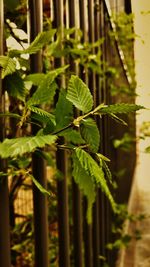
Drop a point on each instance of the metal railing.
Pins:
(87, 242)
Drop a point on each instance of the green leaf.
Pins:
(19, 146)
(44, 93)
(120, 108)
(15, 86)
(35, 78)
(73, 136)
(38, 185)
(107, 171)
(79, 94)
(46, 89)
(44, 116)
(96, 172)
(8, 65)
(64, 111)
(85, 183)
(90, 133)
(117, 119)
(41, 40)
(9, 114)
(101, 156)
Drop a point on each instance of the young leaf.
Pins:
(46, 89)
(120, 108)
(35, 78)
(79, 94)
(72, 136)
(38, 185)
(43, 115)
(90, 133)
(96, 172)
(85, 184)
(19, 146)
(8, 65)
(44, 93)
(11, 115)
(15, 86)
(41, 40)
(64, 111)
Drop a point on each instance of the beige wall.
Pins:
(142, 58)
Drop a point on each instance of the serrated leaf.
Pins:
(79, 94)
(8, 65)
(85, 184)
(72, 136)
(120, 108)
(41, 40)
(15, 86)
(38, 185)
(9, 114)
(90, 133)
(46, 89)
(107, 171)
(64, 111)
(44, 93)
(44, 116)
(19, 146)
(35, 78)
(96, 172)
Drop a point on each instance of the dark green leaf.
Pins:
(46, 89)
(15, 86)
(64, 111)
(90, 133)
(96, 172)
(120, 108)
(39, 186)
(72, 136)
(85, 183)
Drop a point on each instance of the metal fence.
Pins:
(79, 244)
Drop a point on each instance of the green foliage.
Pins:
(85, 182)
(42, 115)
(39, 186)
(81, 134)
(79, 94)
(15, 86)
(46, 89)
(19, 146)
(35, 78)
(120, 108)
(64, 111)
(8, 65)
(125, 143)
(41, 40)
(95, 171)
(90, 133)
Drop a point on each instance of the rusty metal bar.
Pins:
(61, 160)
(5, 257)
(38, 164)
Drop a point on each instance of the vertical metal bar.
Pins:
(38, 164)
(77, 205)
(61, 159)
(87, 229)
(5, 257)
